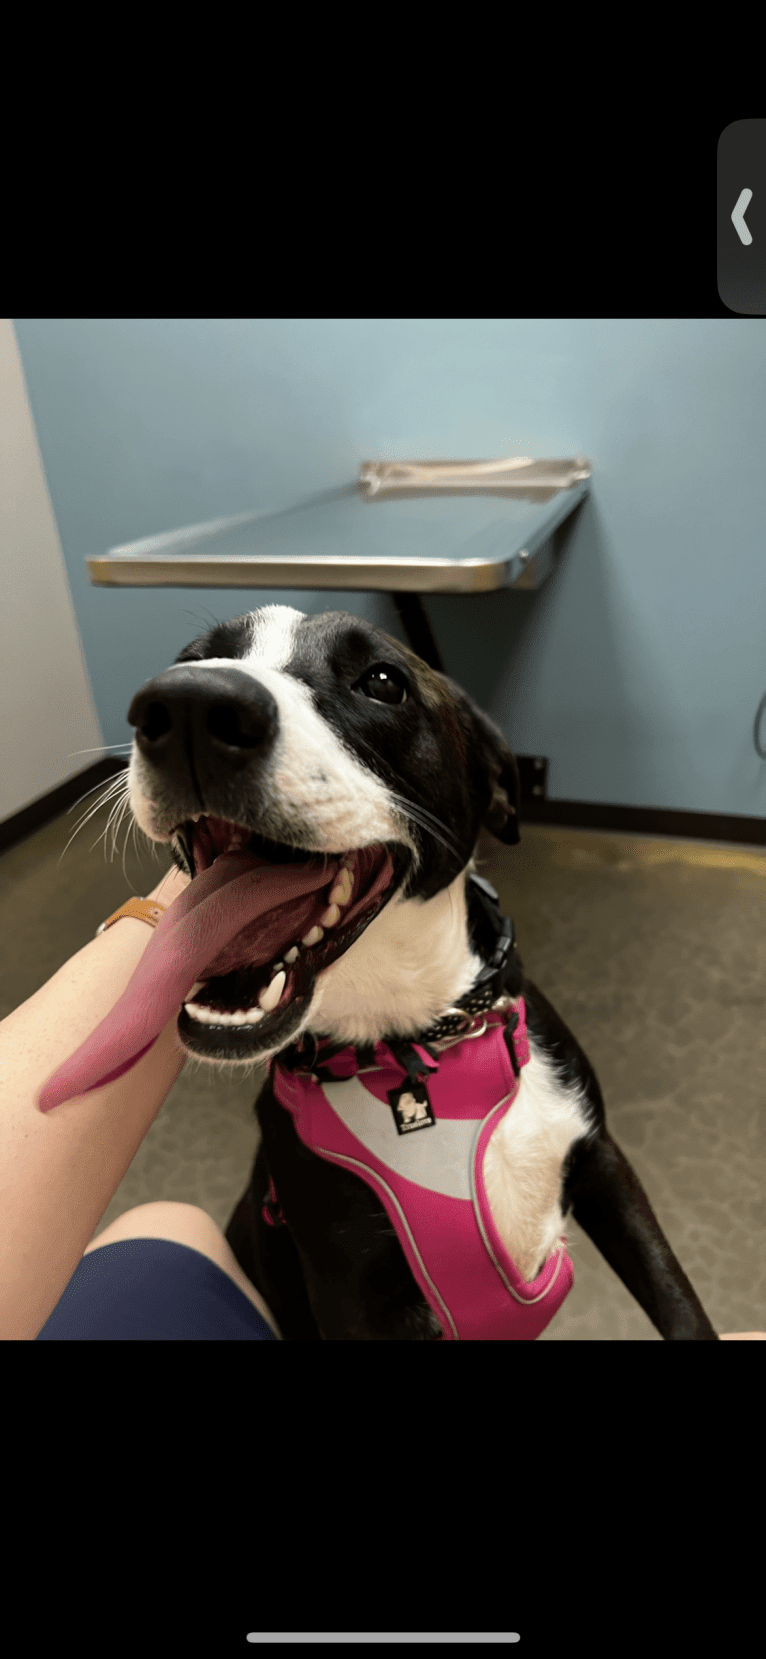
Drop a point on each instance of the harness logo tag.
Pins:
(411, 1107)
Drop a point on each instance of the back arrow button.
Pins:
(738, 216)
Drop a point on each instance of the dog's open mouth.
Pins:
(238, 952)
(310, 907)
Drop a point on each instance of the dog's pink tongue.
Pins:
(198, 936)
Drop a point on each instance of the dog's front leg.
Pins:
(609, 1203)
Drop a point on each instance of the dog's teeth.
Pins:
(270, 995)
(213, 1016)
(341, 892)
(331, 916)
(291, 954)
(313, 936)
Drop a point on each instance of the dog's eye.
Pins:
(383, 684)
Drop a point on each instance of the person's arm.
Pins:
(59, 1170)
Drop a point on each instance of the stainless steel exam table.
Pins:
(403, 528)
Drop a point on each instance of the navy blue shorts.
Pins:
(153, 1290)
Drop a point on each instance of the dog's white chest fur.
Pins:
(523, 1163)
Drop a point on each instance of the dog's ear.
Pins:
(493, 769)
(502, 815)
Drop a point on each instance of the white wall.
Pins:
(46, 703)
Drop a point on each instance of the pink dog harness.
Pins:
(420, 1140)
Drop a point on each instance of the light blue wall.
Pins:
(637, 670)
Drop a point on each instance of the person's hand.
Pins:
(742, 1336)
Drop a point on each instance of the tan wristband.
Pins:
(142, 910)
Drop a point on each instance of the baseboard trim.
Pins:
(41, 812)
(648, 820)
(595, 815)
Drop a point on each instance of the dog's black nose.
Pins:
(215, 715)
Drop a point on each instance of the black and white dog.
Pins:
(305, 735)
